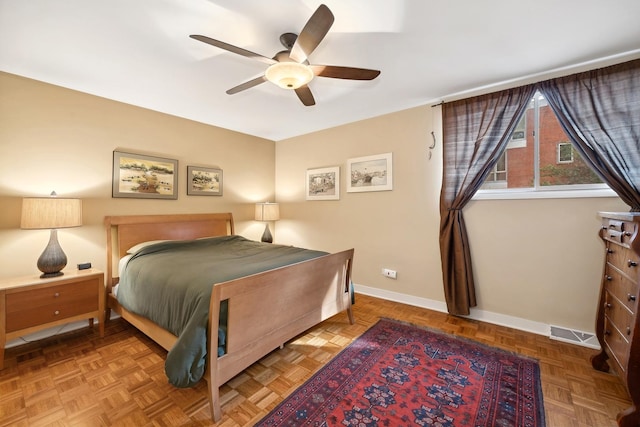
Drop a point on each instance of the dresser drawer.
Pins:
(33, 307)
(618, 346)
(619, 231)
(619, 315)
(625, 260)
(622, 288)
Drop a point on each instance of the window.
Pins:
(565, 152)
(498, 176)
(539, 156)
(518, 138)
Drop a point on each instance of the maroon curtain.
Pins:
(475, 133)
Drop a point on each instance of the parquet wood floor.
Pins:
(79, 379)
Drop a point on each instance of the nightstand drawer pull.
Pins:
(56, 312)
(631, 297)
(632, 263)
(608, 278)
(607, 305)
(628, 330)
(56, 295)
(610, 251)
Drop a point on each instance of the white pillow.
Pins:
(136, 248)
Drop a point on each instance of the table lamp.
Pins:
(267, 212)
(53, 213)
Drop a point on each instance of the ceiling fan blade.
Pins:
(312, 34)
(247, 85)
(350, 73)
(305, 95)
(232, 48)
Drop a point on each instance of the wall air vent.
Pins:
(584, 339)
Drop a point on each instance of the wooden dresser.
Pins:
(29, 304)
(617, 323)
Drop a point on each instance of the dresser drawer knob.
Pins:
(56, 295)
(631, 297)
(632, 263)
(608, 278)
(607, 305)
(56, 312)
(610, 251)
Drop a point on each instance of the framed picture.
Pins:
(323, 184)
(204, 181)
(371, 173)
(144, 177)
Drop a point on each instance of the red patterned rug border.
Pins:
(493, 385)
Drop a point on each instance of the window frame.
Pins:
(539, 191)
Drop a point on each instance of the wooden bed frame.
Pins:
(292, 298)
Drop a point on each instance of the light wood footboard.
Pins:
(268, 309)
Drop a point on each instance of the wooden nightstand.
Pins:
(29, 304)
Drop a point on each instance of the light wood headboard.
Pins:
(125, 231)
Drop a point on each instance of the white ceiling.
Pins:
(139, 52)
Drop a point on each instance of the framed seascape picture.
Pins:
(144, 177)
(371, 173)
(204, 181)
(323, 183)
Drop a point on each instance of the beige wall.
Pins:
(536, 260)
(389, 229)
(57, 139)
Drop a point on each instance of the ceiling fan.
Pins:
(290, 68)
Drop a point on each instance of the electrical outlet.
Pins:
(391, 274)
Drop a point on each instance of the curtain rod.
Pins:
(546, 75)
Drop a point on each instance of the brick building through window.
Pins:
(539, 154)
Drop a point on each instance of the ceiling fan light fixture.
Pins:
(289, 75)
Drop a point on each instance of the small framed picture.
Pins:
(323, 183)
(371, 173)
(144, 177)
(203, 181)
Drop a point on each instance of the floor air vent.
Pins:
(575, 337)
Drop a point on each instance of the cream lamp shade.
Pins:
(289, 75)
(267, 212)
(51, 213)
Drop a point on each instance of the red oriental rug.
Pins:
(397, 374)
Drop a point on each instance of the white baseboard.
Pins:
(56, 330)
(476, 314)
(482, 315)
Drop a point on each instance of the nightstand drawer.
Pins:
(37, 306)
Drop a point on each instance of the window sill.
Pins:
(542, 194)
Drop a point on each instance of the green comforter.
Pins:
(170, 284)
